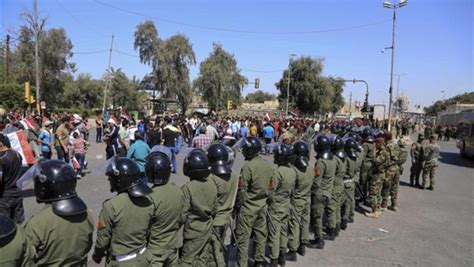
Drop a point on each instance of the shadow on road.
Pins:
(403, 183)
(28, 193)
(452, 158)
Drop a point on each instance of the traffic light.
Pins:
(229, 104)
(257, 83)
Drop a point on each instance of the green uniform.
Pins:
(255, 184)
(376, 182)
(60, 240)
(279, 209)
(417, 162)
(396, 180)
(334, 207)
(430, 157)
(301, 204)
(163, 241)
(366, 167)
(16, 251)
(321, 190)
(199, 209)
(226, 190)
(123, 229)
(393, 153)
(348, 202)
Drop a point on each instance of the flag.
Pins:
(29, 123)
(20, 144)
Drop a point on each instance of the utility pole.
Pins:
(37, 30)
(350, 105)
(7, 60)
(107, 81)
(289, 79)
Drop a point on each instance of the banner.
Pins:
(20, 144)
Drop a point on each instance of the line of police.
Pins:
(277, 206)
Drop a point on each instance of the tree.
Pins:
(83, 92)
(219, 78)
(259, 97)
(170, 60)
(438, 106)
(124, 92)
(310, 91)
(12, 96)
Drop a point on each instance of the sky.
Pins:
(434, 39)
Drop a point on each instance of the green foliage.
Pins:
(220, 79)
(310, 91)
(12, 96)
(124, 92)
(438, 106)
(259, 97)
(170, 60)
(83, 92)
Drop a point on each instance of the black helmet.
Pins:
(366, 132)
(196, 165)
(301, 151)
(351, 148)
(379, 133)
(322, 147)
(218, 159)
(158, 168)
(338, 147)
(369, 139)
(7, 230)
(55, 183)
(124, 175)
(251, 147)
(283, 154)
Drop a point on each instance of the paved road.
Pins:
(430, 228)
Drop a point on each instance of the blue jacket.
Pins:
(138, 152)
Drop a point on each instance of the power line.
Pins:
(239, 30)
(125, 53)
(79, 21)
(91, 52)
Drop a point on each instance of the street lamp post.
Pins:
(444, 95)
(289, 79)
(366, 101)
(393, 6)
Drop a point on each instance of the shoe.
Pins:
(330, 234)
(374, 214)
(383, 209)
(317, 243)
(430, 188)
(393, 208)
(260, 264)
(273, 263)
(351, 220)
(282, 258)
(302, 249)
(291, 256)
(337, 230)
(344, 225)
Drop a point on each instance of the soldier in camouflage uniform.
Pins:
(280, 204)
(396, 180)
(125, 219)
(255, 184)
(416, 161)
(430, 157)
(334, 207)
(393, 153)
(321, 190)
(368, 161)
(168, 200)
(199, 209)
(226, 183)
(348, 202)
(300, 217)
(380, 167)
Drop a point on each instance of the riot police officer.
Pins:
(15, 249)
(199, 209)
(168, 200)
(61, 233)
(226, 183)
(321, 190)
(255, 184)
(334, 207)
(280, 204)
(125, 219)
(300, 216)
(348, 201)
